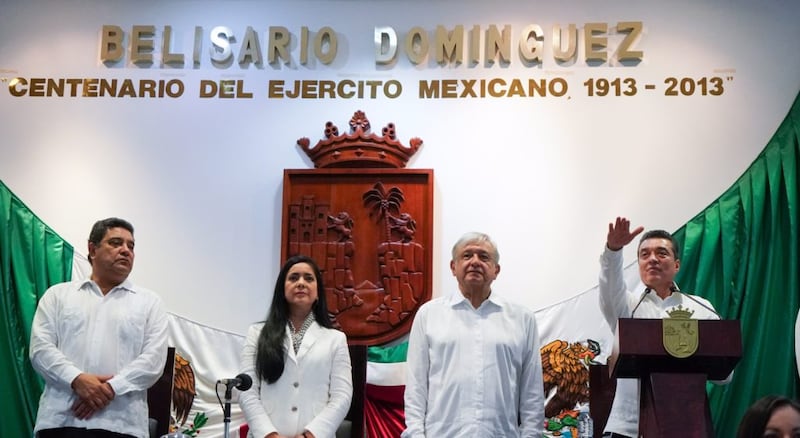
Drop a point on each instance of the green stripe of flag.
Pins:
(386, 366)
(394, 354)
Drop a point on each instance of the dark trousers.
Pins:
(77, 432)
(614, 435)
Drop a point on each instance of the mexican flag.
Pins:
(386, 383)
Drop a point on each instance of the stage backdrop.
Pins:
(660, 110)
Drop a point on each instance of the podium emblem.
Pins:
(680, 333)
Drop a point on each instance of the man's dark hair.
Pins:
(101, 227)
(661, 234)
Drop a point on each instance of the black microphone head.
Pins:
(245, 382)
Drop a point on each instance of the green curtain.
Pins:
(32, 257)
(741, 253)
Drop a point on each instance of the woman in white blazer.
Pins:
(299, 362)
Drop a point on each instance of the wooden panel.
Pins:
(675, 405)
(159, 396)
(602, 389)
(358, 359)
(371, 233)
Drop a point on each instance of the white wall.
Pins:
(201, 179)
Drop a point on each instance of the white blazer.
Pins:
(313, 393)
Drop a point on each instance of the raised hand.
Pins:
(620, 234)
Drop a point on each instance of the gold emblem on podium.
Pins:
(680, 333)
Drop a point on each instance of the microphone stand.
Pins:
(226, 411)
(675, 288)
(242, 382)
(646, 291)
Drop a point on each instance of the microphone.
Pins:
(644, 294)
(242, 382)
(674, 288)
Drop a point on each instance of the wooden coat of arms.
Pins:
(367, 222)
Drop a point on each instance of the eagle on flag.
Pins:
(565, 370)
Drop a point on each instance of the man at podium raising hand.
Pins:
(657, 295)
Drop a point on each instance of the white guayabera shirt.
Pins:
(77, 329)
(474, 372)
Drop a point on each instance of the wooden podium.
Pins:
(673, 399)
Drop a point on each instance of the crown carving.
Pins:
(360, 148)
(680, 312)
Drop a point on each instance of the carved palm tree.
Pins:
(383, 204)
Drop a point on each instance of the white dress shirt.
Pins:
(313, 393)
(77, 329)
(617, 302)
(474, 372)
